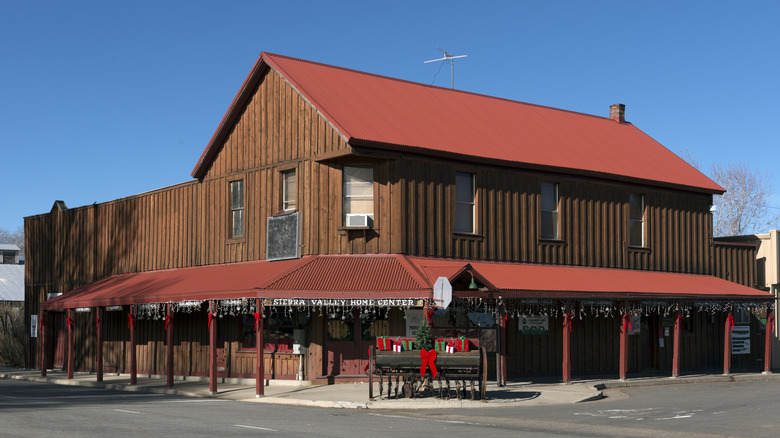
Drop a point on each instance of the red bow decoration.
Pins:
(97, 325)
(730, 322)
(210, 316)
(679, 317)
(167, 322)
(69, 322)
(257, 320)
(771, 323)
(41, 322)
(428, 359)
(130, 321)
(627, 322)
(567, 319)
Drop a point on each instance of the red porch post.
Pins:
(212, 348)
(567, 345)
(727, 344)
(99, 342)
(770, 322)
(133, 363)
(44, 362)
(169, 345)
(623, 368)
(260, 360)
(70, 343)
(676, 345)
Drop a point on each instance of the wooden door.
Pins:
(347, 352)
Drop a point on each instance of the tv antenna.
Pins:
(451, 58)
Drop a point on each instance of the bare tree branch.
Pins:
(743, 209)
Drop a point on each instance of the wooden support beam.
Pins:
(501, 346)
(676, 345)
(212, 326)
(727, 344)
(70, 343)
(259, 360)
(625, 322)
(169, 345)
(133, 362)
(567, 345)
(770, 322)
(99, 342)
(44, 346)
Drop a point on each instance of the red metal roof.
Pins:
(236, 280)
(376, 111)
(534, 280)
(394, 276)
(382, 275)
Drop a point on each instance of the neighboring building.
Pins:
(11, 254)
(767, 274)
(364, 190)
(11, 274)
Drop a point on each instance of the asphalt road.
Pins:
(30, 409)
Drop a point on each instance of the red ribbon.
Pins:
(369, 357)
(730, 322)
(257, 321)
(69, 322)
(167, 322)
(771, 323)
(428, 315)
(567, 319)
(210, 316)
(428, 359)
(97, 325)
(627, 322)
(130, 321)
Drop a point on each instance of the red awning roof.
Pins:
(556, 281)
(352, 276)
(236, 280)
(435, 120)
(396, 276)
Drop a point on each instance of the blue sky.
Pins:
(105, 99)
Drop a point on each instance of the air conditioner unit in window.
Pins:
(358, 220)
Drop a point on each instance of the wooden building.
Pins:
(328, 203)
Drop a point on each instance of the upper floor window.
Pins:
(358, 196)
(549, 211)
(464, 202)
(636, 226)
(237, 208)
(289, 190)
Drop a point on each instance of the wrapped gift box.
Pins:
(384, 343)
(462, 344)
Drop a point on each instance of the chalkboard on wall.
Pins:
(284, 235)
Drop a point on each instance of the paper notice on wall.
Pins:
(33, 326)
(740, 339)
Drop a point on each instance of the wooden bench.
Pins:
(462, 368)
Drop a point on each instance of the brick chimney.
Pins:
(617, 112)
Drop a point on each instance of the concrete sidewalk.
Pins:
(355, 395)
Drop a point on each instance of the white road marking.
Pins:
(129, 412)
(430, 419)
(256, 427)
